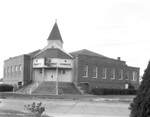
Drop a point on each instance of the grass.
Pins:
(11, 113)
(71, 97)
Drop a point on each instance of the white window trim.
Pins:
(96, 71)
(121, 74)
(105, 73)
(134, 76)
(5, 72)
(127, 74)
(114, 74)
(86, 71)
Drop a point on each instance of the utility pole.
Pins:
(56, 81)
(43, 73)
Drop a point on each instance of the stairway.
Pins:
(80, 88)
(26, 88)
(67, 88)
(45, 88)
(49, 88)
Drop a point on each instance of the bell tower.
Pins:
(55, 36)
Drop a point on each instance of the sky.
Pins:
(113, 28)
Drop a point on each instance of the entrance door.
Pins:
(50, 75)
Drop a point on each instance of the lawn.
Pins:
(123, 98)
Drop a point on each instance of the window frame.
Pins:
(5, 72)
(95, 72)
(127, 75)
(11, 71)
(15, 70)
(86, 71)
(19, 69)
(8, 74)
(113, 74)
(121, 71)
(134, 76)
(104, 72)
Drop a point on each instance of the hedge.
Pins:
(100, 91)
(6, 88)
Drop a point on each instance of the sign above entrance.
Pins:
(52, 63)
(47, 61)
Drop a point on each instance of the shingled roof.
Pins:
(55, 33)
(53, 53)
(86, 52)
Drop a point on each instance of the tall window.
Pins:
(112, 74)
(15, 70)
(120, 74)
(20, 69)
(85, 71)
(94, 72)
(5, 72)
(134, 74)
(8, 72)
(104, 72)
(11, 71)
(127, 75)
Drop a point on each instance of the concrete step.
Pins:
(49, 88)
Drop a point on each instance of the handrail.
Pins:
(33, 87)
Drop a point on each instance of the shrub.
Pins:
(6, 87)
(35, 110)
(102, 91)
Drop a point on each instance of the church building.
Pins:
(82, 68)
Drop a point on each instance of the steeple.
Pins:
(55, 34)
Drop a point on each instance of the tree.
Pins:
(140, 107)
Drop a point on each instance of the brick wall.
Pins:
(17, 70)
(109, 64)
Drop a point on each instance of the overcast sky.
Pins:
(113, 28)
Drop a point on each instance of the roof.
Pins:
(33, 53)
(53, 53)
(86, 52)
(55, 34)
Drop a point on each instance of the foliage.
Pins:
(140, 107)
(35, 110)
(6, 87)
(103, 91)
(131, 86)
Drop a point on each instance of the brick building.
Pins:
(83, 68)
(94, 70)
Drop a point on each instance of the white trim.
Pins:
(128, 75)
(95, 72)
(134, 76)
(49, 46)
(121, 71)
(113, 74)
(85, 71)
(105, 72)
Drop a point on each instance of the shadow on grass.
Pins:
(11, 113)
(14, 113)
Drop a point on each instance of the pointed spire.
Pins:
(55, 34)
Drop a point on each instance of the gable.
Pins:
(53, 53)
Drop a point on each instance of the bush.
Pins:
(140, 107)
(102, 91)
(35, 110)
(6, 87)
